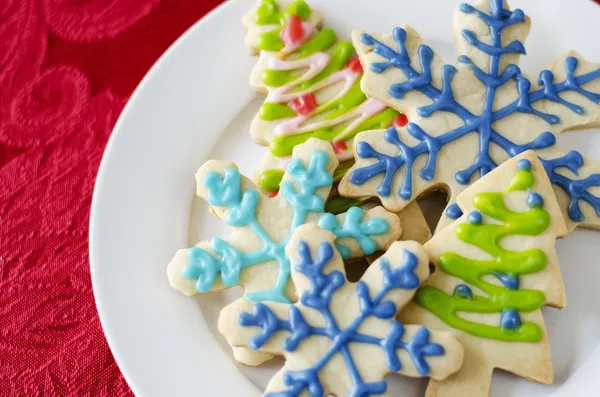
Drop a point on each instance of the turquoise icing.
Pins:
(353, 227)
(299, 192)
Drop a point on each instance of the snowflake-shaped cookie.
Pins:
(341, 339)
(469, 118)
(253, 255)
(496, 267)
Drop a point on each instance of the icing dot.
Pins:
(273, 194)
(510, 319)
(475, 218)
(535, 200)
(454, 212)
(293, 32)
(339, 146)
(509, 281)
(463, 291)
(304, 104)
(355, 65)
(400, 121)
(524, 165)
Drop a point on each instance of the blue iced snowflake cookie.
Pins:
(469, 117)
(341, 338)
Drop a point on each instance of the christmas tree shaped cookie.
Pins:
(341, 339)
(469, 118)
(266, 20)
(312, 82)
(496, 266)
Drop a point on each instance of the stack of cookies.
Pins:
(357, 132)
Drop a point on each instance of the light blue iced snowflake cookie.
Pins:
(340, 338)
(468, 118)
(253, 255)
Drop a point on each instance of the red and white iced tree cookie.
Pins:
(312, 81)
(340, 338)
(496, 266)
(467, 119)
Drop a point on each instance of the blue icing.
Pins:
(353, 227)
(475, 218)
(463, 291)
(524, 165)
(534, 200)
(481, 124)
(323, 288)
(227, 261)
(576, 189)
(508, 280)
(510, 319)
(453, 211)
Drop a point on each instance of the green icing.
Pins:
(284, 145)
(320, 42)
(270, 180)
(275, 111)
(268, 14)
(339, 57)
(341, 170)
(299, 8)
(277, 78)
(338, 204)
(488, 237)
(269, 41)
(323, 41)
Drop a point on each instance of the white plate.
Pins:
(195, 104)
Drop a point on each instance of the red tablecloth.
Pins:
(66, 70)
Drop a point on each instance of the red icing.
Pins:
(293, 32)
(273, 194)
(339, 146)
(400, 121)
(304, 105)
(355, 65)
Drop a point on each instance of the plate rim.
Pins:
(100, 180)
(153, 72)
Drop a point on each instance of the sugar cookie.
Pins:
(469, 118)
(496, 266)
(340, 338)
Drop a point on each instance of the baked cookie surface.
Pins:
(341, 339)
(469, 118)
(496, 266)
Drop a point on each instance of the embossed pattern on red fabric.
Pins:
(66, 70)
